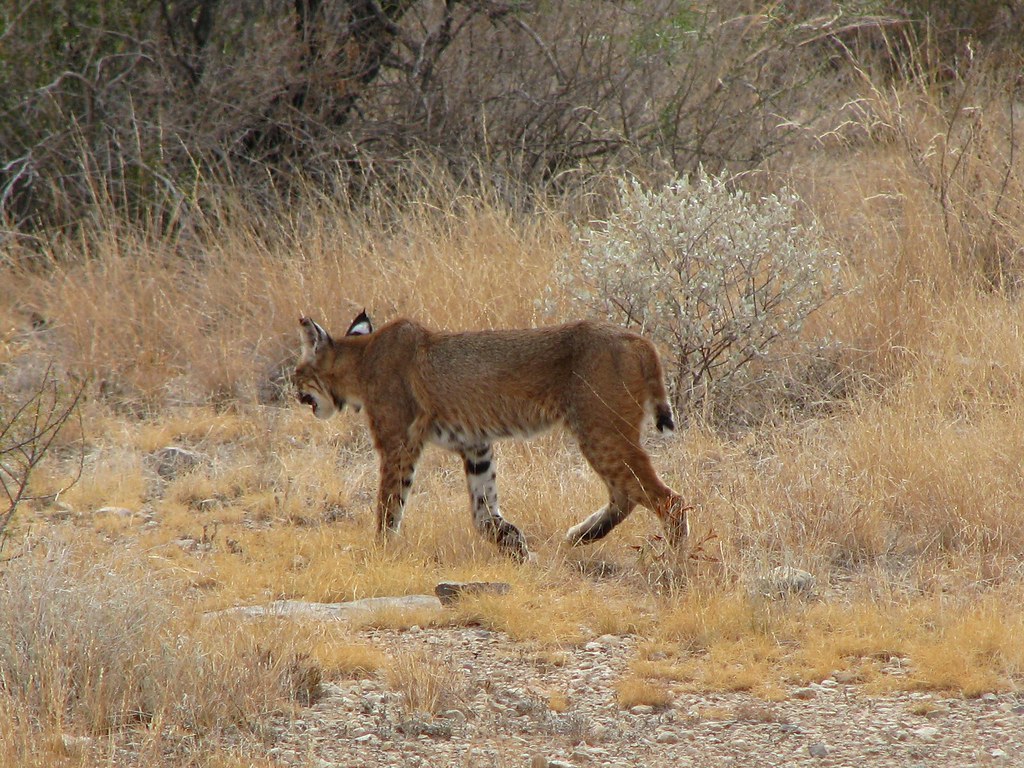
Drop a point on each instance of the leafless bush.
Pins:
(27, 433)
(152, 106)
(970, 162)
(956, 123)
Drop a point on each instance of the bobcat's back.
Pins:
(516, 382)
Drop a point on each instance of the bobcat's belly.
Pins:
(457, 437)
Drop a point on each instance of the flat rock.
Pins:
(417, 727)
(354, 610)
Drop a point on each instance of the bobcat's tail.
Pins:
(656, 387)
(663, 417)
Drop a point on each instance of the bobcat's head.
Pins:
(323, 377)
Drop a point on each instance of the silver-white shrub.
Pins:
(710, 273)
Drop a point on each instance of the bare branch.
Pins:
(27, 434)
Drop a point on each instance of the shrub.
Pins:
(711, 274)
(155, 108)
(28, 430)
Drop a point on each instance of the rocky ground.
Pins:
(498, 707)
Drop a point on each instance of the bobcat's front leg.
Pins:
(398, 457)
(483, 498)
(396, 475)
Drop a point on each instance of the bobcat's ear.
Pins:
(360, 326)
(314, 338)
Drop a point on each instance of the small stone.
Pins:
(928, 733)
(998, 754)
(172, 460)
(331, 691)
(642, 709)
(416, 727)
(122, 512)
(75, 743)
(805, 693)
(785, 581)
(667, 737)
(449, 592)
(817, 749)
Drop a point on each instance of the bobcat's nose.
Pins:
(307, 399)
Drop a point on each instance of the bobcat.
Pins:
(463, 391)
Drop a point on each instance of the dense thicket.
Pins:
(150, 104)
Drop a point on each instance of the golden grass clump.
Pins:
(634, 692)
(427, 684)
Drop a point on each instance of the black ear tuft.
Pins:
(360, 326)
(314, 338)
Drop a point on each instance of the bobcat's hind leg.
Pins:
(600, 524)
(483, 496)
(627, 471)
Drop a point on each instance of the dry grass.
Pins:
(426, 684)
(636, 692)
(902, 496)
(92, 647)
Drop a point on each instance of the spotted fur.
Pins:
(463, 391)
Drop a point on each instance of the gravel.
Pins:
(498, 713)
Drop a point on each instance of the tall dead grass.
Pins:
(94, 645)
(211, 315)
